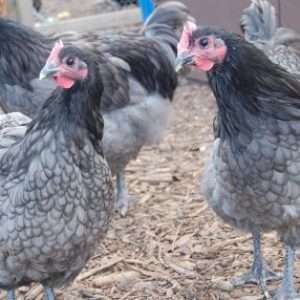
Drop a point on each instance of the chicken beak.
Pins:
(49, 70)
(182, 59)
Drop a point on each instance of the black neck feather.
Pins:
(248, 86)
(74, 111)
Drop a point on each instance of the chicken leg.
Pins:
(48, 293)
(11, 295)
(260, 273)
(122, 197)
(287, 291)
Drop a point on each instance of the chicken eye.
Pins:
(203, 42)
(70, 61)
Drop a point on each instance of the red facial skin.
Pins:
(63, 82)
(67, 74)
(204, 58)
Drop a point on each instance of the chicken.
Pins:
(13, 119)
(138, 76)
(253, 177)
(37, 5)
(56, 191)
(259, 25)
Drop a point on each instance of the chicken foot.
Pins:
(287, 291)
(260, 273)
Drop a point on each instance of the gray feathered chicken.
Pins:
(13, 119)
(56, 191)
(253, 176)
(259, 25)
(138, 76)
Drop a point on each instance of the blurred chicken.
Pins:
(56, 191)
(253, 176)
(37, 5)
(259, 25)
(138, 76)
(13, 119)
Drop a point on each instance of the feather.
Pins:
(13, 119)
(137, 70)
(56, 191)
(259, 25)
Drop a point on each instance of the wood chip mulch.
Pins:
(171, 245)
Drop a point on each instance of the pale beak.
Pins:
(49, 70)
(182, 59)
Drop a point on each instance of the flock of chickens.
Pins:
(61, 139)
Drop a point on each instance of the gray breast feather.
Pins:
(53, 210)
(258, 187)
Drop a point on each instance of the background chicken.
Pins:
(259, 25)
(137, 71)
(37, 4)
(253, 177)
(56, 190)
(13, 119)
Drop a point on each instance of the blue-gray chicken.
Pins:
(253, 177)
(56, 191)
(138, 76)
(259, 25)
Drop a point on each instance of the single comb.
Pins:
(58, 46)
(187, 32)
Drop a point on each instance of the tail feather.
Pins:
(173, 13)
(166, 24)
(258, 21)
(259, 25)
(286, 36)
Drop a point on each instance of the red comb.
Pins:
(55, 51)
(187, 32)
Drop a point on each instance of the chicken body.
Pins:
(56, 191)
(259, 25)
(253, 177)
(139, 83)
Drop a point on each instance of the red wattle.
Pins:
(64, 82)
(205, 65)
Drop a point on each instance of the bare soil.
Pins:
(170, 245)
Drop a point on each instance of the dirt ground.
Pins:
(170, 245)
